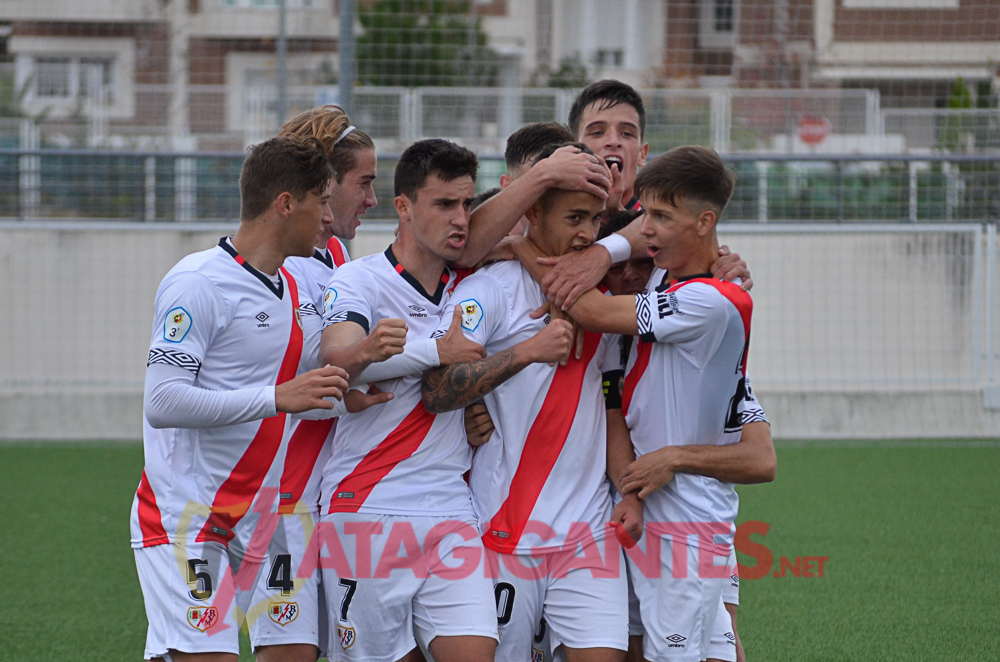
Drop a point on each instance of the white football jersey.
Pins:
(233, 327)
(313, 273)
(685, 385)
(543, 472)
(396, 458)
(309, 442)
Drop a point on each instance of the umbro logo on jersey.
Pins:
(736, 579)
(345, 495)
(731, 637)
(675, 641)
(262, 317)
(417, 311)
(666, 304)
(218, 530)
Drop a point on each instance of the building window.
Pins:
(269, 4)
(717, 21)
(68, 78)
(723, 10)
(609, 58)
(97, 71)
(52, 77)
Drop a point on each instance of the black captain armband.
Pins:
(613, 383)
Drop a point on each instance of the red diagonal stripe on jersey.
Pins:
(336, 251)
(545, 441)
(740, 299)
(150, 521)
(300, 459)
(400, 444)
(635, 374)
(233, 499)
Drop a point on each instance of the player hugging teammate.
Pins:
(502, 432)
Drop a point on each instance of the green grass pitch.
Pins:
(911, 531)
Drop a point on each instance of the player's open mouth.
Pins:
(613, 160)
(652, 250)
(456, 240)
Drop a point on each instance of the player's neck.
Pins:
(419, 262)
(698, 261)
(259, 247)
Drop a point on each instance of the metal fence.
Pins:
(771, 188)
(229, 117)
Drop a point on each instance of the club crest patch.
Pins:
(176, 324)
(328, 300)
(202, 618)
(537, 655)
(346, 635)
(283, 613)
(472, 314)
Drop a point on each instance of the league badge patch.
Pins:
(176, 324)
(472, 314)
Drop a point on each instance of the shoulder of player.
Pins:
(711, 293)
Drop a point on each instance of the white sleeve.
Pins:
(171, 400)
(485, 309)
(190, 311)
(750, 409)
(351, 297)
(417, 356)
(676, 316)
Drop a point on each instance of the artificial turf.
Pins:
(911, 534)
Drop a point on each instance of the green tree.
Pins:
(424, 42)
(958, 129)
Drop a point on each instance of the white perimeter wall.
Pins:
(856, 333)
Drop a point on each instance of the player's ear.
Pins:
(706, 222)
(283, 203)
(402, 204)
(504, 180)
(643, 152)
(534, 213)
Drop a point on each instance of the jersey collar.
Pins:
(278, 290)
(414, 283)
(667, 281)
(326, 258)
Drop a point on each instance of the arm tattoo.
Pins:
(461, 384)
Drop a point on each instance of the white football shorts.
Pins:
(678, 613)
(186, 601)
(285, 606)
(392, 580)
(723, 643)
(580, 610)
(731, 590)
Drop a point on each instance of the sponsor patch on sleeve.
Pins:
(472, 314)
(176, 324)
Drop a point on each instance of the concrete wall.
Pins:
(855, 333)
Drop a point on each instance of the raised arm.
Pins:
(461, 384)
(567, 168)
(749, 461)
(348, 346)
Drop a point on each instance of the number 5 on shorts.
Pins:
(345, 604)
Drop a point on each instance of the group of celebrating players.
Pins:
(449, 450)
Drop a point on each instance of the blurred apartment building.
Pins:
(201, 74)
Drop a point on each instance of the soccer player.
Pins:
(220, 380)
(396, 472)
(521, 153)
(685, 387)
(540, 483)
(287, 620)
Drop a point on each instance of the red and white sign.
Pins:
(813, 129)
